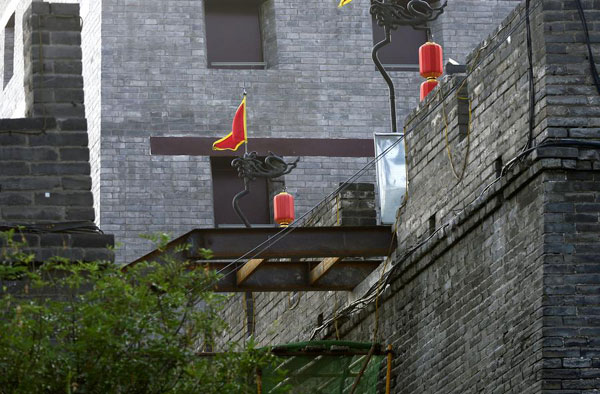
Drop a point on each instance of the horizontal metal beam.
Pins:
(346, 256)
(301, 242)
(293, 276)
(202, 146)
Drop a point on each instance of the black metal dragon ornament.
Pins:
(249, 167)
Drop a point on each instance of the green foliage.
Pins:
(70, 327)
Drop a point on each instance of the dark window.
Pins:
(9, 49)
(227, 184)
(233, 38)
(403, 51)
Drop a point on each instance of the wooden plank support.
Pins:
(320, 270)
(248, 269)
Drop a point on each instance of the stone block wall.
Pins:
(45, 183)
(494, 285)
(320, 82)
(13, 96)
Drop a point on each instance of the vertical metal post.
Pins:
(388, 377)
(388, 80)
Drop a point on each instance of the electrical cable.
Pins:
(373, 293)
(57, 227)
(586, 32)
(468, 149)
(265, 244)
(255, 252)
(530, 77)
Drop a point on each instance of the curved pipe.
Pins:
(386, 76)
(235, 205)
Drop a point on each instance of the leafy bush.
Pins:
(69, 327)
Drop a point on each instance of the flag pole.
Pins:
(246, 144)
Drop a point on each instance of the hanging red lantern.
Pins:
(431, 60)
(283, 208)
(427, 87)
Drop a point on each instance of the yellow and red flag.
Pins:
(238, 135)
(343, 2)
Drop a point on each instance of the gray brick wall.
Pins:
(320, 82)
(503, 298)
(12, 98)
(148, 59)
(45, 182)
(466, 22)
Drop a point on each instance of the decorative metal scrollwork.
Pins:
(416, 13)
(249, 167)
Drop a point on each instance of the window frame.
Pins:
(213, 33)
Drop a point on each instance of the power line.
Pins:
(255, 252)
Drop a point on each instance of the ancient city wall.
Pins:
(494, 285)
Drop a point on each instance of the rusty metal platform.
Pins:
(305, 258)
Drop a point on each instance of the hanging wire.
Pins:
(531, 78)
(257, 250)
(466, 158)
(586, 32)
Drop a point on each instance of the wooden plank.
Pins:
(321, 269)
(247, 270)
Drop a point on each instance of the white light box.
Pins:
(391, 174)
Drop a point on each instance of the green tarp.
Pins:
(323, 367)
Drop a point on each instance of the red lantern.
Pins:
(431, 60)
(427, 87)
(283, 207)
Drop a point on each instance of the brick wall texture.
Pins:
(145, 74)
(319, 82)
(13, 99)
(45, 177)
(494, 287)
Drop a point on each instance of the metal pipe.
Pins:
(388, 80)
(235, 205)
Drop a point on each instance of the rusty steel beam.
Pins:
(293, 276)
(346, 256)
(301, 242)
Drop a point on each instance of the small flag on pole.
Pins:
(343, 2)
(238, 135)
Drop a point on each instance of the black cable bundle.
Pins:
(531, 79)
(593, 68)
